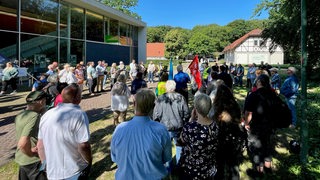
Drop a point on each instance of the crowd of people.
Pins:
(209, 129)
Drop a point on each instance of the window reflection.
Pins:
(8, 44)
(74, 28)
(113, 37)
(8, 14)
(41, 49)
(39, 17)
(75, 55)
(94, 26)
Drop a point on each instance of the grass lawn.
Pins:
(286, 164)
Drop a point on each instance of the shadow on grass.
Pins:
(100, 140)
(99, 113)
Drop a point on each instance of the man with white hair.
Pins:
(172, 110)
(290, 89)
(182, 79)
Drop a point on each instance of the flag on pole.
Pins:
(194, 69)
(170, 70)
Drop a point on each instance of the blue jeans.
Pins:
(291, 104)
(150, 76)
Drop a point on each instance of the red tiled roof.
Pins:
(155, 49)
(236, 43)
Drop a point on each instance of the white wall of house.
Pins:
(250, 51)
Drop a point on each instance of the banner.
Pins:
(194, 69)
(170, 70)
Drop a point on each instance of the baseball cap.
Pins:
(35, 95)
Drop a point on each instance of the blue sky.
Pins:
(189, 13)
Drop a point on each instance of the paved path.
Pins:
(10, 105)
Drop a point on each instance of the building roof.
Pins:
(105, 10)
(236, 43)
(155, 49)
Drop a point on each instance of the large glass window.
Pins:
(39, 17)
(71, 51)
(8, 44)
(71, 21)
(40, 49)
(123, 34)
(8, 14)
(135, 36)
(113, 36)
(94, 26)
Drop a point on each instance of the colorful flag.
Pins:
(170, 70)
(194, 69)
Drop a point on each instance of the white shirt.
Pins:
(63, 75)
(61, 130)
(71, 78)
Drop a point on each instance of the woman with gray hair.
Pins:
(172, 110)
(120, 94)
(200, 140)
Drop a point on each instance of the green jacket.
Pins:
(9, 73)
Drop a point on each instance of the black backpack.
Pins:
(280, 114)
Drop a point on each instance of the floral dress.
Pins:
(198, 155)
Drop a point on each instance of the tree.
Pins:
(201, 44)
(157, 34)
(123, 5)
(283, 27)
(176, 42)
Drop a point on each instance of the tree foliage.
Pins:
(284, 28)
(157, 34)
(203, 40)
(176, 43)
(123, 5)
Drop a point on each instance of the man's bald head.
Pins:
(71, 94)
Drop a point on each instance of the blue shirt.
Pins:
(181, 80)
(290, 87)
(140, 148)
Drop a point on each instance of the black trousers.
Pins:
(31, 172)
(12, 82)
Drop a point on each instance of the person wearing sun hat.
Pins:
(290, 89)
(27, 127)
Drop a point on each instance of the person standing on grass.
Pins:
(240, 73)
(120, 95)
(182, 79)
(27, 127)
(258, 124)
(64, 138)
(199, 138)
(10, 74)
(172, 110)
(232, 136)
(289, 89)
(140, 147)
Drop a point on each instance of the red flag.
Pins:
(194, 69)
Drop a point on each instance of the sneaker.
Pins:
(13, 92)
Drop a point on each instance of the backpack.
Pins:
(282, 114)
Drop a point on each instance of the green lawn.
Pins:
(286, 165)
